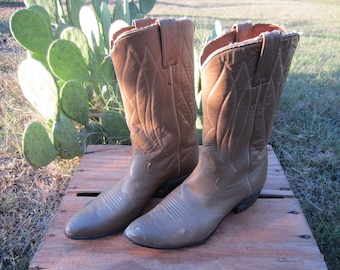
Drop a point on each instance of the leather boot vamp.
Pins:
(193, 210)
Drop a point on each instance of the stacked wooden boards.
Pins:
(272, 234)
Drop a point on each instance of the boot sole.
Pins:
(96, 236)
(169, 186)
(247, 202)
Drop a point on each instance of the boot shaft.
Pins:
(243, 75)
(153, 61)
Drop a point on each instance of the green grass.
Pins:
(305, 134)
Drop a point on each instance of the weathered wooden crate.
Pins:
(272, 234)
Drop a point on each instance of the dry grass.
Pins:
(29, 199)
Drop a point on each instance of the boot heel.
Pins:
(169, 186)
(247, 202)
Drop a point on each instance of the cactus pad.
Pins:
(39, 87)
(50, 6)
(89, 25)
(118, 12)
(66, 61)
(65, 138)
(115, 125)
(105, 18)
(41, 12)
(38, 148)
(77, 37)
(73, 8)
(107, 72)
(133, 9)
(92, 134)
(97, 5)
(74, 101)
(145, 6)
(31, 30)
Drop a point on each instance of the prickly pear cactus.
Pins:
(68, 76)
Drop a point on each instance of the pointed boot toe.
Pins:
(97, 219)
(150, 231)
(81, 227)
(73, 230)
(141, 233)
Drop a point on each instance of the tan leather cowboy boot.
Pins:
(243, 75)
(153, 61)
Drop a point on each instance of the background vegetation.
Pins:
(305, 135)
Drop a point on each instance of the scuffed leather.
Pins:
(153, 61)
(243, 75)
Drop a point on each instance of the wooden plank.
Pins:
(109, 164)
(100, 167)
(272, 234)
(276, 179)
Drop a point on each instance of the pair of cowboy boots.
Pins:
(243, 73)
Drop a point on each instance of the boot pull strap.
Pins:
(248, 30)
(269, 52)
(168, 41)
(243, 31)
(138, 23)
